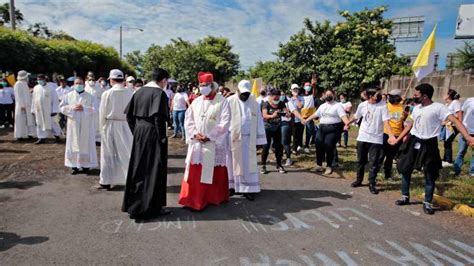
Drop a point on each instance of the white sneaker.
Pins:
(306, 150)
(299, 149)
(289, 162)
(318, 169)
(328, 171)
(446, 164)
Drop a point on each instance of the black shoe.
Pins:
(428, 208)
(356, 183)
(74, 171)
(39, 141)
(263, 170)
(404, 200)
(101, 187)
(85, 171)
(164, 212)
(57, 139)
(281, 170)
(373, 189)
(249, 196)
(231, 192)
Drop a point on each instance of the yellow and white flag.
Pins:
(424, 63)
(255, 89)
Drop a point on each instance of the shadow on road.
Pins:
(13, 151)
(9, 240)
(270, 206)
(19, 184)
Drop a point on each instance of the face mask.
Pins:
(275, 101)
(205, 90)
(79, 88)
(307, 88)
(343, 101)
(103, 84)
(329, 98)
(282, 98)
(417, 100)
(41, 82)
(91, 83)
(5, 84)
(244, 96)
(379, 98)
(411, 109)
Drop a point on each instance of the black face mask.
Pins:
(417, 100)
(329, 98)
(379, 98)
(393, 99)
(244, 96)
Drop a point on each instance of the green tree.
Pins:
(184, 59)
(135, 59)
(40, 30)
(465, 56)
(5, 14)
(347, 56)
(61, 35)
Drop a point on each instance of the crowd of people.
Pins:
(129, 118)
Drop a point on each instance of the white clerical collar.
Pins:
(152, 84)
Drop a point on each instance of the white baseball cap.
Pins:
(115, 74)
(294, 86)
(244, 86)
(130, 78)
(395, 92)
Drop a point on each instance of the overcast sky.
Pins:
(254, 27)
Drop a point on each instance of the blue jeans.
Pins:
(429, 185)
(178, 121)
(286, 138)
(310, 133)
(462, 150)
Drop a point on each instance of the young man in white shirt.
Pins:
(375, 117)
(6, 103)
(421, 151)
(467, 117)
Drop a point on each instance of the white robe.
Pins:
(248, 182)
(44, 103)
(80, 137)
(97, 92)
(211, 118)
(117, 138)
(24, 120)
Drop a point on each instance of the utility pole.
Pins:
(12, 14)
(120, 41)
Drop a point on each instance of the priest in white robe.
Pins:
(94, 88)
(79, 107)
(117, 138)
(45, 107)
(207, 123)
(246, 132)
(24, 120)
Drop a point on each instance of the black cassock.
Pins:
(145, 190)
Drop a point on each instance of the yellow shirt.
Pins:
(395, 112)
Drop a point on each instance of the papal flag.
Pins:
(424, 63)
(255, 89)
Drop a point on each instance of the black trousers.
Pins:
(273, 134)
(6, 114)
(368, 153)
(62, 122)
(326, 139)
(298, 131)
(389, 152)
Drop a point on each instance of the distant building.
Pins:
(412, 58)
(452, 60)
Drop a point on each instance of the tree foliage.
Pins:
(40, 30)
(184, 59)
(351, 54)
(466, 56)
(5, 14)
(135, 59)
(21, 51)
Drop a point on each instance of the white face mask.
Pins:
(205, 90)
(91, 83)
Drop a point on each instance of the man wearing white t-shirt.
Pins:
(421, 151)
(179, 105)
(468, 121)
(375, 117)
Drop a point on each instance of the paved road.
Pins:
(48, 216)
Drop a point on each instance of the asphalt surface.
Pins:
(48, 216)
